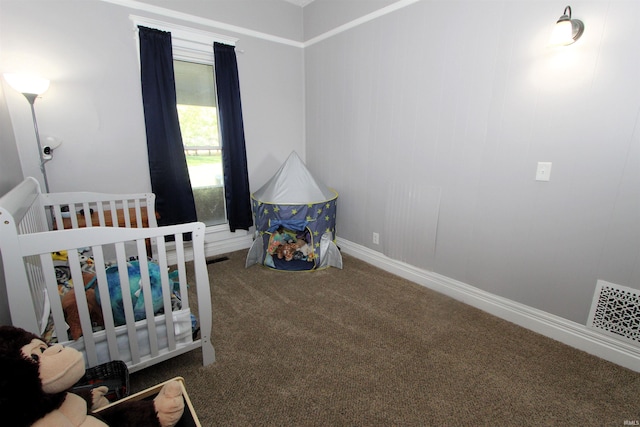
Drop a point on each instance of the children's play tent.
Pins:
(295, 218)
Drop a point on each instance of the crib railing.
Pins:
(126, 244)
(85, 209)
(114, 227)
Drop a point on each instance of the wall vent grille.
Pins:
(616, 310)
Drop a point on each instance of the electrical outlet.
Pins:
(376, 238)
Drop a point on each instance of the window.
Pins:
(197, 113)
(198, 116)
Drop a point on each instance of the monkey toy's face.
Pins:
(59, 367)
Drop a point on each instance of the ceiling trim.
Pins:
(133, 4)
(301, 3)
(359, 21)
(137, 5)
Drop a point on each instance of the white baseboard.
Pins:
(227, 245)
(555, 327)
(222, 243)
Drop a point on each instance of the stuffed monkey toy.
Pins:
(35, 377)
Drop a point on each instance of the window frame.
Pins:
(191, 45)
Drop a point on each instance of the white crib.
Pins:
(115, 228)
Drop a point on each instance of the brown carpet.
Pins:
(361, 347)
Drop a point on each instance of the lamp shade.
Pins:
(27, 83)
(562, 33)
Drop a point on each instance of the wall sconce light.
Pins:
(31, 87)
(566, 30)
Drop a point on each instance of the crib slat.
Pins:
(57, 216)
(126, 301)
(203, 295)
(86, 213)
(37, 290)
(100, 213)
(148, 296)
(36, 282)
(125, 211)
(151, 213)
(182, 273)
(105, 303)
(72, 215)
(31, 223)
(113, 210)
(161, 253)
(138, 213)
(83, 308)
(52, 290)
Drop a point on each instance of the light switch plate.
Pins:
(543, 172)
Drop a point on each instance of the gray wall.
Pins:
(430, 122)
(10, 175)
(88, 50)
(9, 160)
(322, 16)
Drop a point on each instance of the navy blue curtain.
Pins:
(234, 153)
(167, 162)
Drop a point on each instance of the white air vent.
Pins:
(616, 310)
